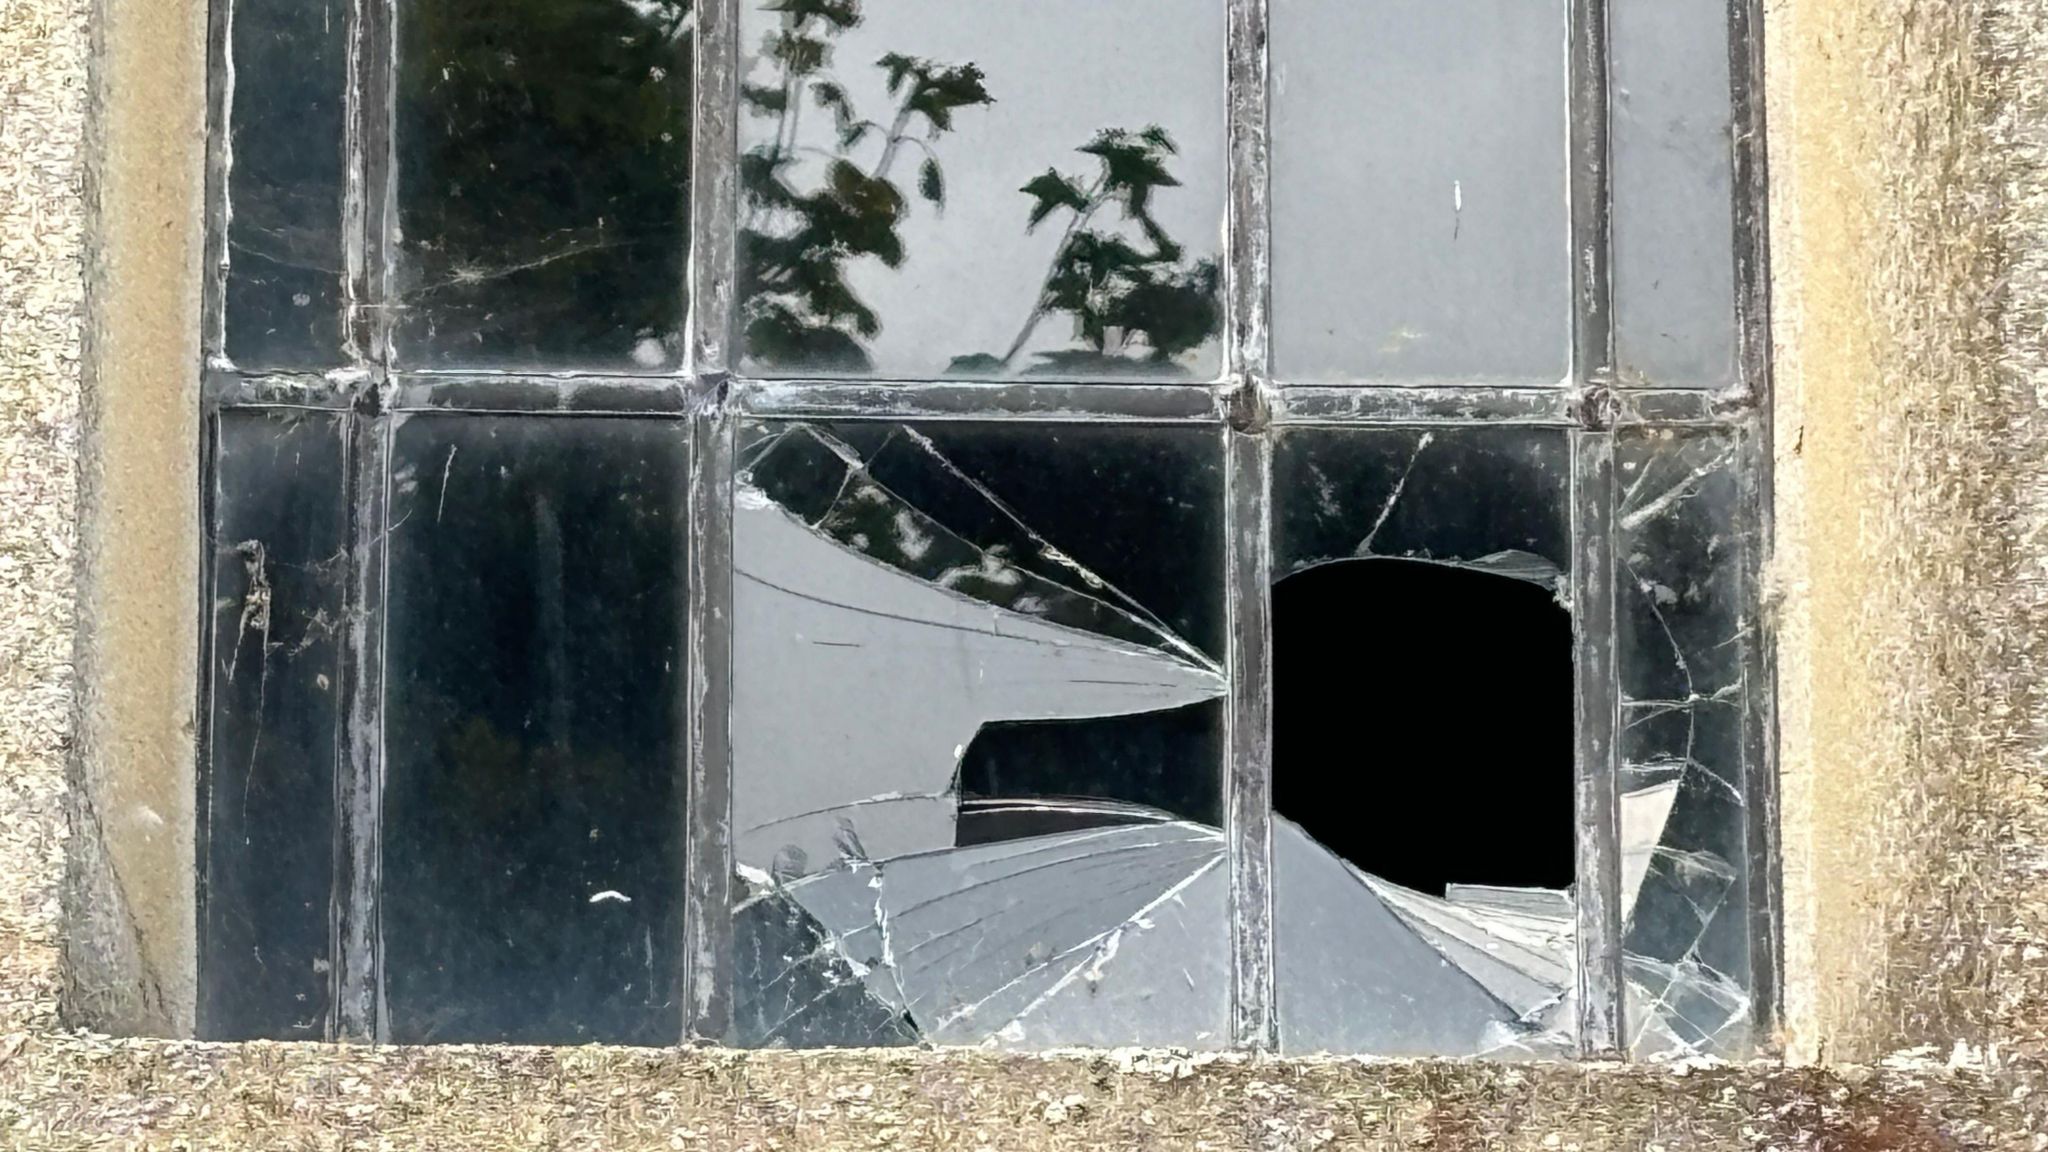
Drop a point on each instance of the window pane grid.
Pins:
(1247, 405)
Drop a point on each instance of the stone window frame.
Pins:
(1248, 401)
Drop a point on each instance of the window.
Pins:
(1214, 523)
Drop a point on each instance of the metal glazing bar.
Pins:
(358, 939)
(707, 932)
(595, 395)
(358, 1012)
(1598, 716)
(336, 391)
(1760, 741)
(1591, 199)
(714, 190)
(1599, 975)
(988, 400)
(1250, 213)
(220, 96)
(1248, 780)
(1753, 333)
(714, 226)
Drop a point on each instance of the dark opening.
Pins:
(1423, 722)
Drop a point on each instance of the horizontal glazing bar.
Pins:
(1490, 405)
(1192, 403)
(581, 394)
(334, 390)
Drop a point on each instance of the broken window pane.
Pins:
(933, 188)
(543, 183)
(978, 736)
(1683, 631)
(277, 534)
(1423, 779)
(284, 183)
(533, 797)
(1420, 226)
(1674, 226)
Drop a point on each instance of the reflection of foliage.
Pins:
(546, 143)
(795, 245)
(1123, 298)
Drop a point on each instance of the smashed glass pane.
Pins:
(277, 532)
(543, 183)
(533, 802)
(1420, 224)
(1423, 779)
(1674, 196)
(1683, 633)
(942, 189)
(284, 183)
(1050, 596)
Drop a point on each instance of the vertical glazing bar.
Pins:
(1753, 319)
(220, 95)
(1249, 778)
(1250, 210)
(1599, 977)
(707, 917)
(358, 935)
(1597, 717)
(356, 119)
(359, 968)
(1249, 774)
(714, 183)
(1591, 200)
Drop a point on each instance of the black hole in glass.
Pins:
(1423, 722)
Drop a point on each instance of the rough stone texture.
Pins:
(1910, 212)
(1909, 219)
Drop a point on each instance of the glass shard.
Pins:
(922, 198)
(1053, 597)
(1682, 644)
(284, 169)
(278, 533)
(543, 151)
(533, 804)
(1674, 194)
(1423, 779)
(1420, 224)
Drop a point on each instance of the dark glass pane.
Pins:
(277, 533)
(543, 182)
(1682, 647)
(1420, 212)
(1423, 747)
(1674, 229)
(978, 736)
(284, 186)
(938, 189)
(533, 805)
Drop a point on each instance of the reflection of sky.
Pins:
(1059, 71)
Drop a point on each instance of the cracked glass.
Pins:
(1422, 656)
(998, 820)
(918, 202)
(823, 523)
(1685, 624)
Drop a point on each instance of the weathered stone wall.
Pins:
(1911, 279)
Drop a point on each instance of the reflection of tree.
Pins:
(546, 143)
(1134, 308)
(795, 245)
